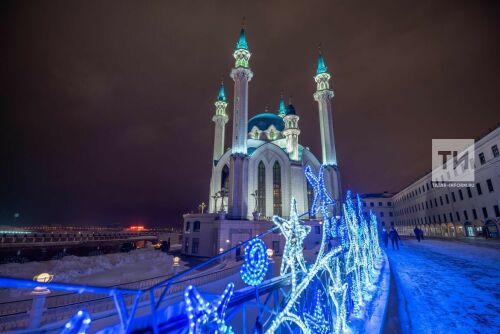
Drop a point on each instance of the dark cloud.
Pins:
(106, 106)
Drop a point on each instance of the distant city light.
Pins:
(137, 228)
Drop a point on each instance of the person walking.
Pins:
(416, 230)
(393, 234)
(384, 237)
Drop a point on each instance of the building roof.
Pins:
(222, 95)
(265, 120)
(377, 195)
(321, 65)
(290, 110)
(242, 41)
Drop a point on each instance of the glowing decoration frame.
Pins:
(256, 263)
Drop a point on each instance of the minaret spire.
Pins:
(282, 107)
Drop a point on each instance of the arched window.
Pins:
(261, 189)
(277, 207)
(224, 179)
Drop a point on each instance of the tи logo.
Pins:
(453, 162)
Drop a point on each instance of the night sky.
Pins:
(106, 106)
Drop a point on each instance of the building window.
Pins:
(186, 245)
(458, 216)
(469, 193)
(364, 204)
(435, 202)
(317, 229)
(390, 214)
(389, 203)
(490, 185)
(474, 213)
(261, 189)
(441, 200)
(482, 160)
(460, 194)
(379, 203)
(444, 217)
(466, 215)
(195, 245)
(371, 204)
(451, 217)
(196, 227)
(381, 214)
(447, 199)
(485, 213)
(494, 150)
(497, 211)
(224, 178)
(276, 246)
(277, 189)
(453, 196)
(188, 226)
(478, 188)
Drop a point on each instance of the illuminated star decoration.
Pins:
(322, 200)
(201, 312)
(294, 233)
(315, 320)
(79, 323)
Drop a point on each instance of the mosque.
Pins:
(263, 169)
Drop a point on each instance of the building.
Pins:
(455, 212)
(263, 169)
(381, 205)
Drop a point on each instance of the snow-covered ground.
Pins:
(447, 287)
(102, 270)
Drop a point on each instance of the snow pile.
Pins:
(103, 270)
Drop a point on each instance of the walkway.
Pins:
(447, 287)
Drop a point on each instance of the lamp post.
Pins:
(176, 264)
(39, 294)
(270, 259)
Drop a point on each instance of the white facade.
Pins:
(382, 206)
(263, 169)
(455, 212)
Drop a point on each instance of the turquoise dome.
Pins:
(265, 120)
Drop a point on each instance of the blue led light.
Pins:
(201, 312)
(78, 324)
(256, 263)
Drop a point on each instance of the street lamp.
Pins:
(39, 294)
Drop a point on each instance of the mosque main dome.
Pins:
(265, 120)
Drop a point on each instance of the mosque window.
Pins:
(224, 179)
(261, 189)
(277, 207)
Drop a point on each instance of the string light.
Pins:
(294, 233)
(78, 324)
(256, 263)
(201, 312)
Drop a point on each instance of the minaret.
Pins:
(324, 96)
(220, 119)
(291, 131)
(241, 75)
(238, 170)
